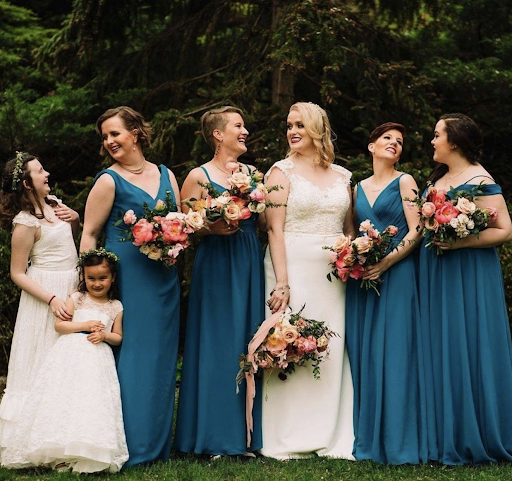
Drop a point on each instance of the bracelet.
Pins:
(280, 289)
(52, 298)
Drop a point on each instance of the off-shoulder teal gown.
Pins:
(146, 360)
(468, 352)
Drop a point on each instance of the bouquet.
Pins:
(246, 195)
(447, 219)
(350, 258)
(286, 341)
(161, 233)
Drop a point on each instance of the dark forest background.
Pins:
(64, 62)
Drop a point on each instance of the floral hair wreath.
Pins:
(18, 170)
(101, 252)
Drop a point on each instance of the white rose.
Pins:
(194, 220)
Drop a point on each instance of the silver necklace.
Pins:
(138, 170)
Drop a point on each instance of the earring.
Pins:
(218, 148)
(134, 145)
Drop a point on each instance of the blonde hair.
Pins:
(216, 119)
(318, 127)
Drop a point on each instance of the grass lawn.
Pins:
(261, 469)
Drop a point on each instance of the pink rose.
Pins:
(257, 195)
(446, 212)
(143, 231)
(172, 231)
(129, 217)
(363, 244)
(305, 344)
(392, 230)
(492, 212)
(373, 234)
(428, 209)
(231, 166)
(245, 213)
(365, 226)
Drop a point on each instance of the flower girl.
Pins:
(43, 266)
(72, 418)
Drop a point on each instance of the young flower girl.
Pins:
(43, 266)
(72, 418)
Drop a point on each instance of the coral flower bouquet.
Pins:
(350, 257)
(161, 233)
(246, 195)
(446, 218)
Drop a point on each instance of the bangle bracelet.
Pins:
(52, 298)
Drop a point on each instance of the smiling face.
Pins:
(234, 134)
(117, 140)
(388, 146)
(298, 138)
(98, 280)
(39, 178)
(442, 148)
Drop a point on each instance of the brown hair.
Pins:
(383, 128)
(17, 198)
(132, 120)
(96, 260)
(317, 125)
(216, 119)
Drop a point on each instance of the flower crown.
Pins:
(101, 252)
(18, 170)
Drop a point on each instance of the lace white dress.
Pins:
(303, 416)
(73, 412)
(53, 265)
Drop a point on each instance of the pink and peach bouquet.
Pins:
(285, 341)
(246, 195)
(446, 218)
(350, 257)
(161, 233)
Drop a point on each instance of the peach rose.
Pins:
(341, 243)
(194, 220)
(221, 200)
(363, 244)
(155, 253)
(275, 342)
(232, 212)
(231, 166)
(129, 217)
(428, 209)
(465, 205)
(241, 181)
(365, 226)
(446, 213)
(289, 333)
(143, 231)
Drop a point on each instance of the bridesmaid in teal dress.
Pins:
(469, 354)
(226, 304)
(146, 360)
(383, 332)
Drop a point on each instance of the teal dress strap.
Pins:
(206, 173)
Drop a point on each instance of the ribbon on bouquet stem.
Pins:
(255, 342)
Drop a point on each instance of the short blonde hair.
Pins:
(318, 127)
(216, 119)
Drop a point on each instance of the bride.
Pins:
(303, 416)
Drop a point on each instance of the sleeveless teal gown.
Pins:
(146, 360)
(226, 305)
(468, 352)
(385, 349)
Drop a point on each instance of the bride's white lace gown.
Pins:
(303, 416)
(52, 265)
(73, 411)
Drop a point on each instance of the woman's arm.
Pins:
(348, 224)
(66, 214)
(114, 337)
(97, 209)
(275, 217)
(175, 188)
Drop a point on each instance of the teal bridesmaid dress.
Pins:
(146, 359)
(385, 349)
(226, 305)
(468, 352)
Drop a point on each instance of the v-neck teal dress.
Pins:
(468, 351)
(385, 349)
(146, 360)
(226, 305)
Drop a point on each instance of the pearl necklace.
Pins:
(138, 170)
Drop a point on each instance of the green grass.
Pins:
(261, 469)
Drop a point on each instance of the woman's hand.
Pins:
(279, 298)
(221, 227)
(375, 271)
(59, 309)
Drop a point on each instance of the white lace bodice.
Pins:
(311, 209)
(55, 250)
(88, 310)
